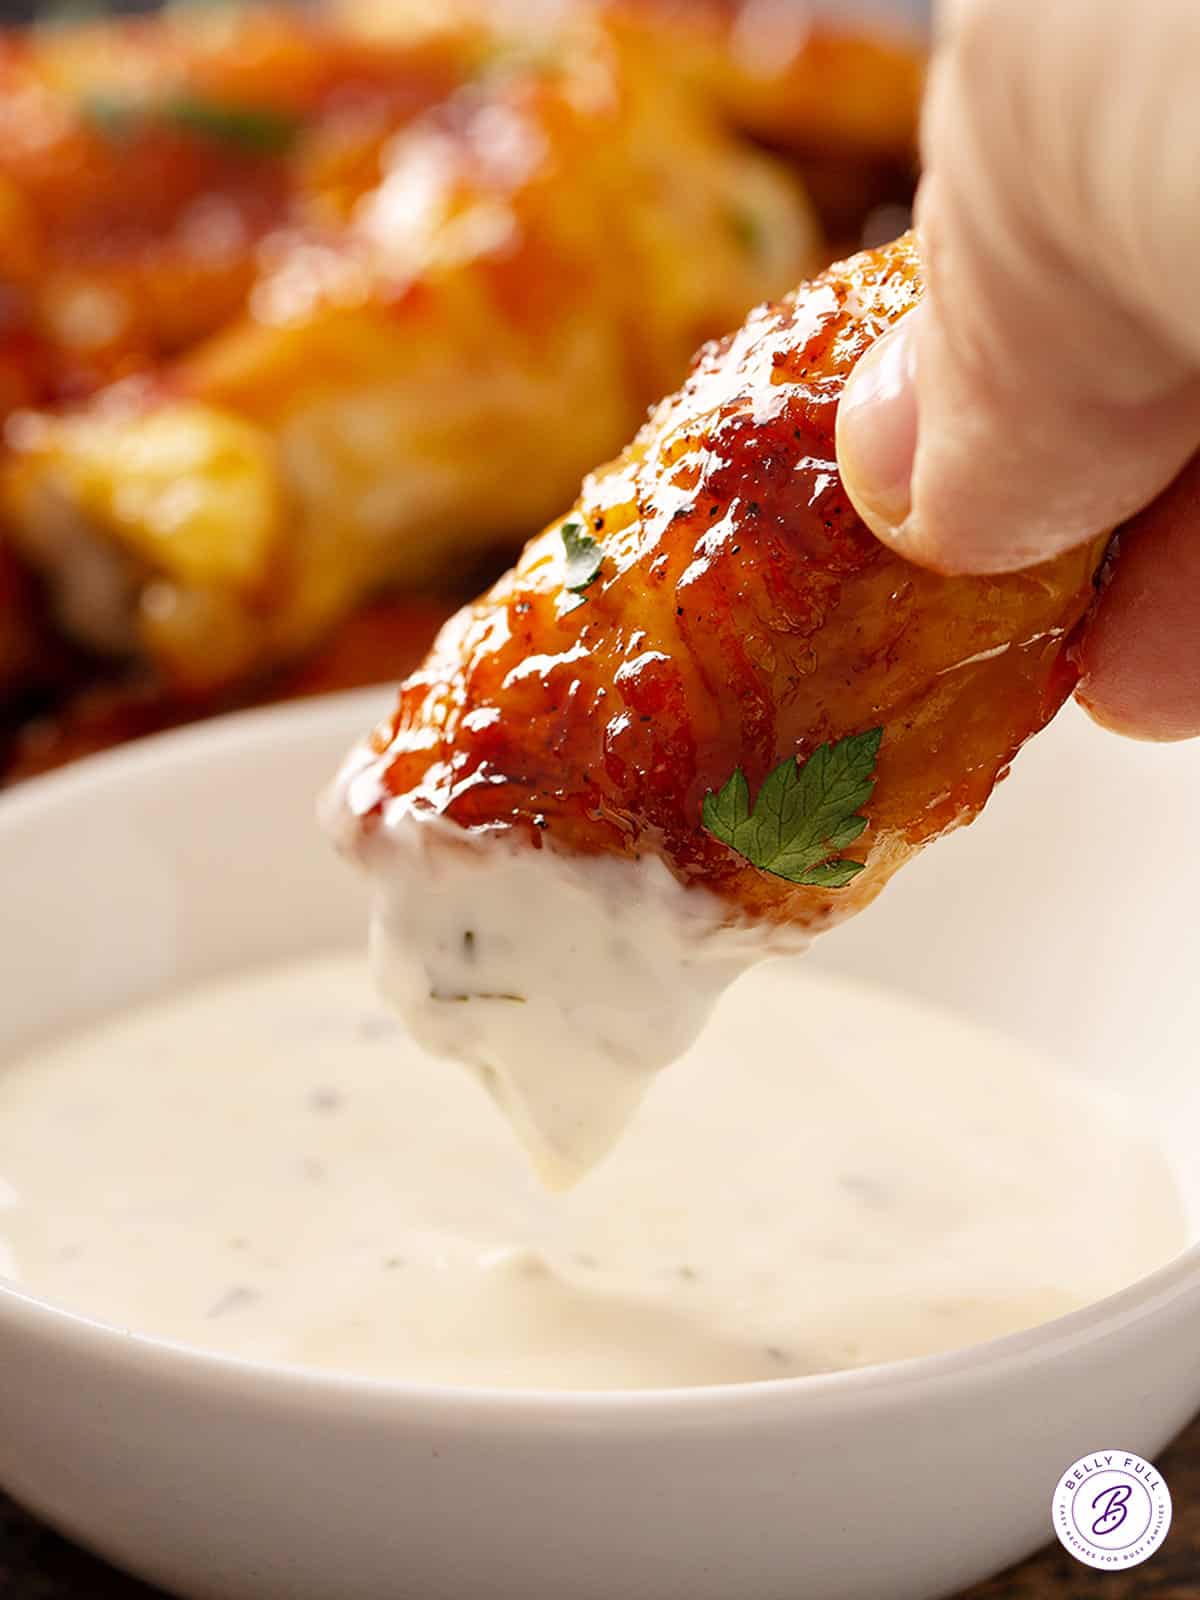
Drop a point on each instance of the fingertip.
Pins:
(1127, 719)
(1129, 697)
(878, 428)
(1140, 656)
(877, 432)
(929, 504)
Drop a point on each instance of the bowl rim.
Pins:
(1174, 1285)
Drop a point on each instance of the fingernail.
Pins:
(877, 430)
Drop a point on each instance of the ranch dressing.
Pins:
(565, 982)
(833, 1176)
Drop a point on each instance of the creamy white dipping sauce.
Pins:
(833, 1176)
(565, 982)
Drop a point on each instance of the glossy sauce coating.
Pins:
(742, 613)
(144, 161)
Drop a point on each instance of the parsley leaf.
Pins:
(584, 555)
(803, 814)
(257, 130)
(253, 130)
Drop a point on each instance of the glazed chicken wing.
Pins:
(711, 605)
(801, 77)
(144, 161)
(483, 263)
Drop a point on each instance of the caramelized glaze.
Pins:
(742, 613)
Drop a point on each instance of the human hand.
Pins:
(1048, 387)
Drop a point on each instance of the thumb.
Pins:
(1049, 385)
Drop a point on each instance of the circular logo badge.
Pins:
(1111, 1509)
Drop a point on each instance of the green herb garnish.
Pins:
(112, 115)
(803, 814)
(747, 228)
(256, 130)
(584, 555)
(259, 130)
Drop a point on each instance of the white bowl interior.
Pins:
(1065, 917)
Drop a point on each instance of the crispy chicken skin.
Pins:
(742, 613)
(482, 268)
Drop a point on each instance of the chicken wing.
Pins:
(476, 288)
(144, 161)
(712, 605)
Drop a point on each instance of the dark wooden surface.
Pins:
(36, 1564)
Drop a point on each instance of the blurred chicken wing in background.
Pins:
(835, 88)
(301, 307)
(466, 308)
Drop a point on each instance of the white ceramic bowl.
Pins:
(1066, 916)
